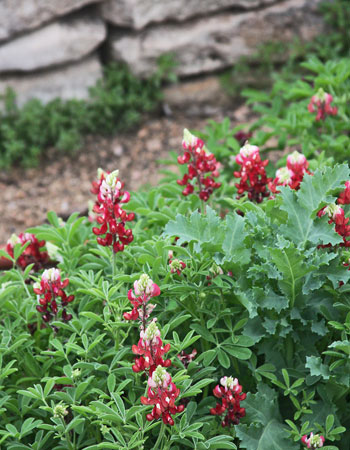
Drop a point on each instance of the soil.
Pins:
(62, 182)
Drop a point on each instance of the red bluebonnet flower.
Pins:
(187, 358)
(112, 217)
(202, 167)
(230, 393)
(144, 290)
(50, 289)
(314, 441)
(344, 197)
(162, 393)
(336, 215)
(32, 254)
(151, 350)
(253, 178)
(293, 174)
(322, 103)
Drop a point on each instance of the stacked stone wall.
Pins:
(54, 48)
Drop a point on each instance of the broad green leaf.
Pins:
(272, 436)
(316, 367)
(291, 263)
(198, 228)
(318, 188)
(233, 246)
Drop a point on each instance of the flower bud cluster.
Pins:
(49, 289)
(314, 441)
(111, 216)
(150, 350)
(32, 254)
(336, 215)
(176, 265)
(162, 393)
(253, 178)
(230, 392)
(293, 174)
(321, 102)
(144, 290)
(202, 167)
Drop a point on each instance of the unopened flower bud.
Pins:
(51, 275)
(229, 382)
(160, 377)
(76, 373)
(151, 332)
(60, 410)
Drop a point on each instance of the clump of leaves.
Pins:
(117, 102)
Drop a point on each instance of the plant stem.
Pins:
(113, 264)
(160, 438)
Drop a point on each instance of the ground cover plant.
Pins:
(210, 312)
(117, 102)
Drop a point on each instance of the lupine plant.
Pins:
(220, 319)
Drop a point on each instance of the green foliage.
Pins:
(284, 111)
(116, 103)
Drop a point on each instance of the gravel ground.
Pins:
(62, 183)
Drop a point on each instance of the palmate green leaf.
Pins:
(272, 436)
(318, 188)
(299, 223)
(266, 431)
(202, 229)
(262, 406)
(302, 206)
(335, 272)
(321, 232)
(268, 299)
(317, 368)
(291, 263)
(233, 246)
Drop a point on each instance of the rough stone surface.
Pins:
(218, 41)
(17, 16)
(139, 13)
(204, 97)
(57, 43)
(67, 82)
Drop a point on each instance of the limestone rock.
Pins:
(216, 42)
(59, 42)
(202, 97)
(17, 16)
(68, 82)
(139, 13)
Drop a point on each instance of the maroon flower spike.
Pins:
(253, 178)
(344, 197)
(151, 350)
(321, 102)
(336, 215)
(230, 393)
(202, 167)
(292, 175)
(144, 290)
(112, 217)
(162, 393)
(50, 289)
(32, 254)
